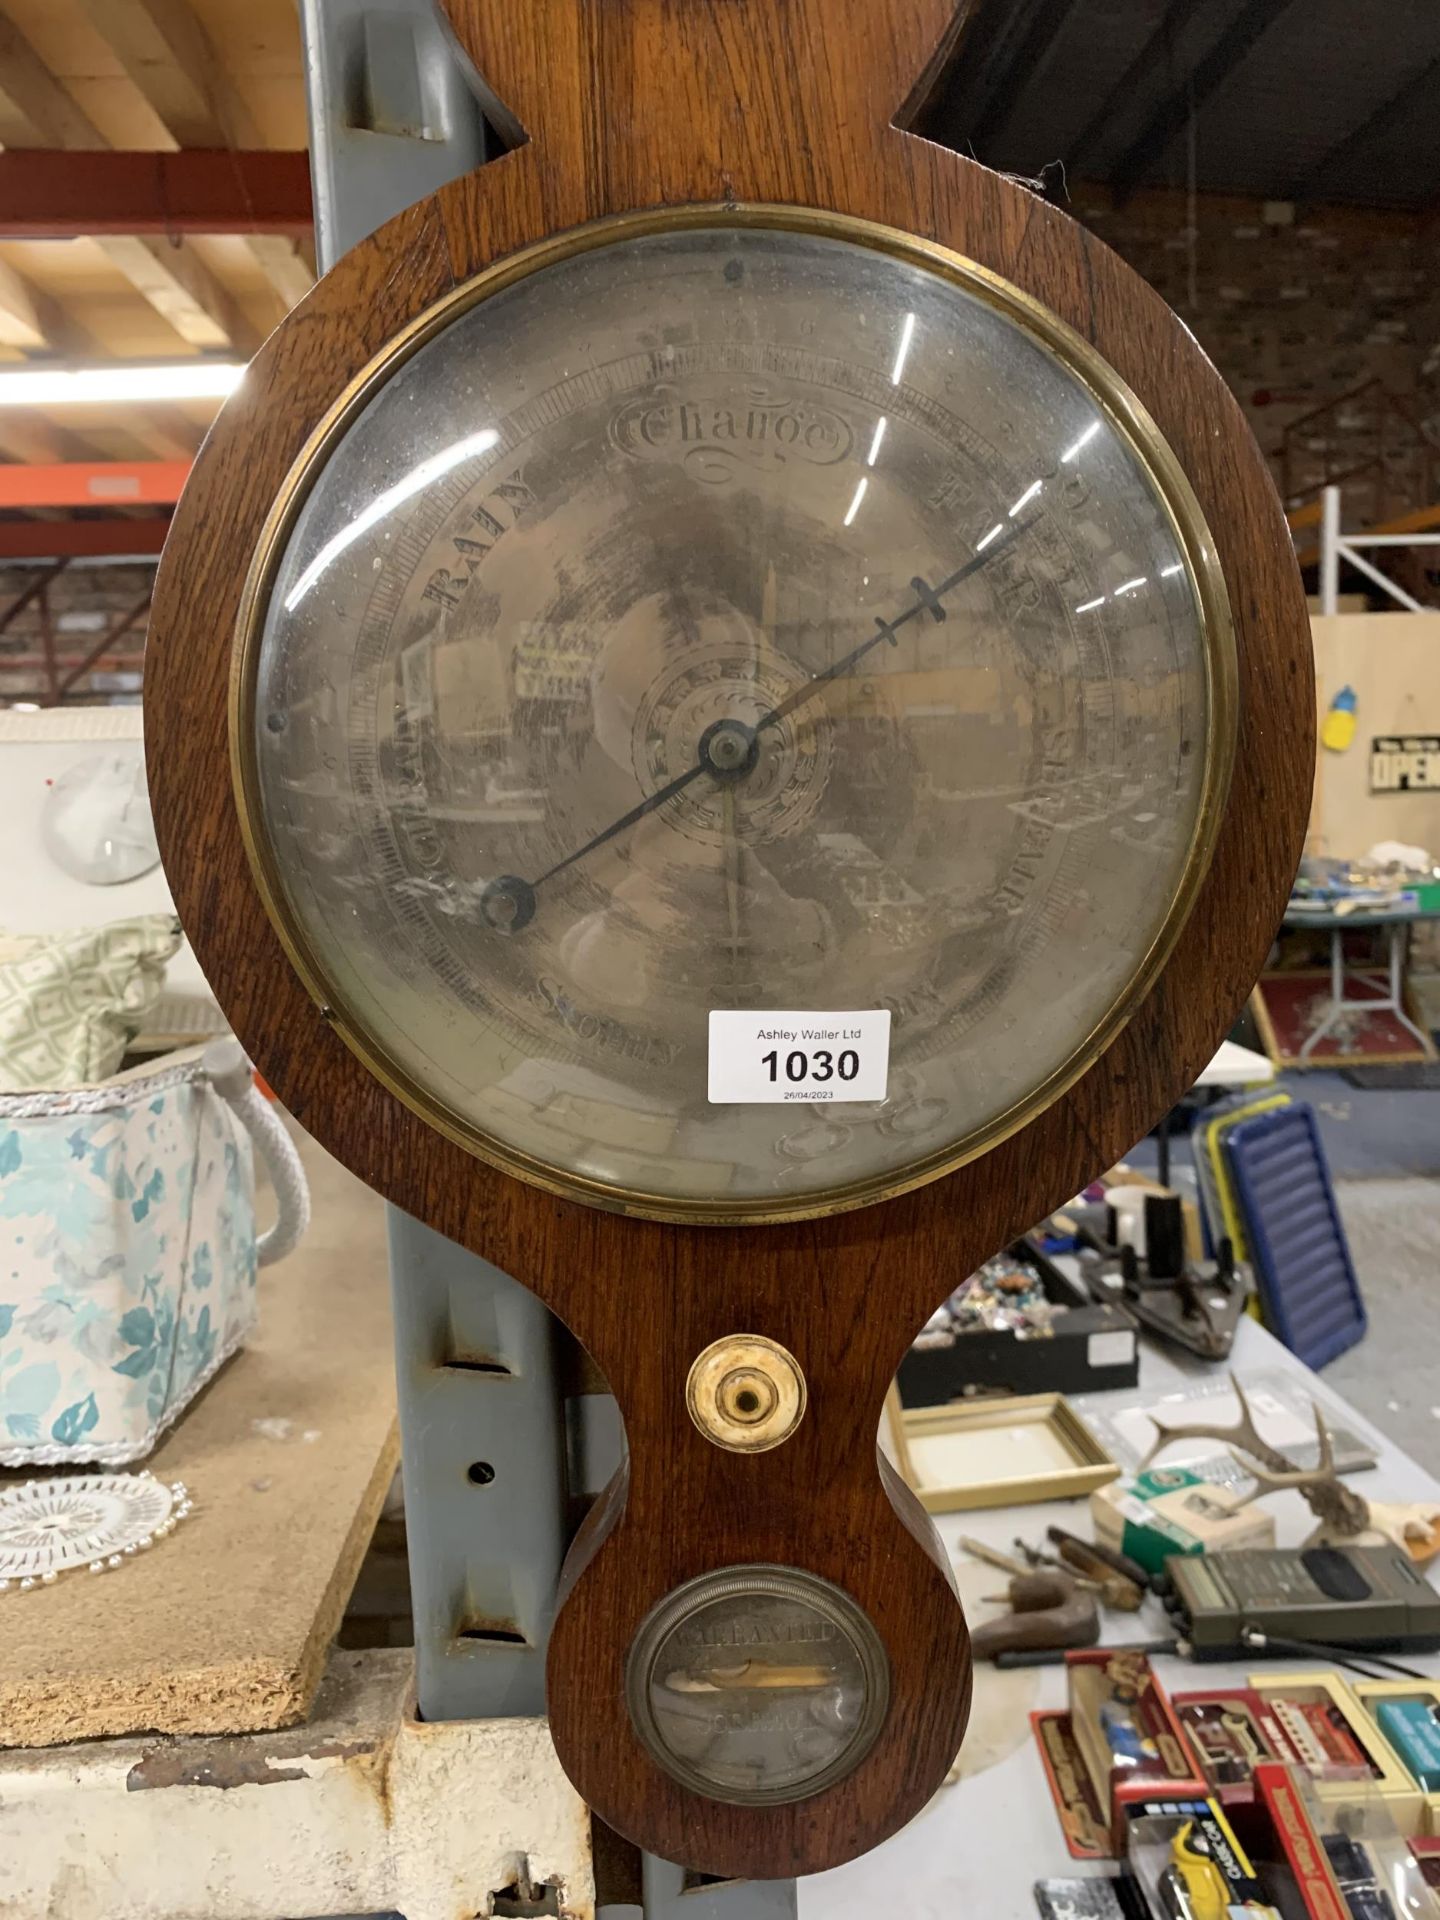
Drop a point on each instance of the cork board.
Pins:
(224, 1627)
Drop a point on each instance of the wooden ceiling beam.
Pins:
(163, 432)
(28, 437)
(160, 431)
(1419, 90)
(1036, 48)
(1154, 57)
(183, 290)
(35, 323)
(169, 433)
(172, 61)
(20, 322)
(36, 111)
(283, 265)
(1188, 96)
(156, 433)
(168, 56)
(29, 442)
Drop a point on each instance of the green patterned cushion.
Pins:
(69, 1002)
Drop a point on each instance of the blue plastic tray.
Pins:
(1302, 1260)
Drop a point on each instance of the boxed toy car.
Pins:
(1407, 1716)
(1340, 1858)
(1328, 1724)
(1118, 1746)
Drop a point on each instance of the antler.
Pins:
(1337, 1505)
(1243, 1434)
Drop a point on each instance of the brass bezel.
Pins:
(1125, 414)
(746, 1356)
(802, 1588)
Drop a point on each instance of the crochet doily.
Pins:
(94, 1520)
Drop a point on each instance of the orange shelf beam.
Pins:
(26, 540)
(46, 195)
(101, 483)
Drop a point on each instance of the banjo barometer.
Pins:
(730, 710)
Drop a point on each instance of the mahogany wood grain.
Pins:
(631, 104)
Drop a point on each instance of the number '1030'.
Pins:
(814, 1066)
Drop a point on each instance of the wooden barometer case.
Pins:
(729, 710)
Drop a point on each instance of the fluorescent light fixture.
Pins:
(95, 386)
(1129, 586)
(1084, 440)
(907, 334)
(855, 503)
(1090, 605)
(1028, 495)
(994, 533)
(874, 453)
(418, 478)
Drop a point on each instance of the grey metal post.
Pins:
(667, 1893)
(396, 111)
(482, 1424)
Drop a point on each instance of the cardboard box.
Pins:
(1232, 1731)
(1410, 1744)
(1168, 1510)
(1426, 1849)
(1118, 1746)
(1345, 1857)
(1230, 1734)
(1187, 1858)
(1300, 1844)
(1403, 1798)
(1090, 1349)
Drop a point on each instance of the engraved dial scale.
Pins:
(703, 576)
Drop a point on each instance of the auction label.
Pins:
(806, 1057)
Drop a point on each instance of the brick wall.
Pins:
(83, 602)
(1297, 306)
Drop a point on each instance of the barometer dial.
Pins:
(704, 616)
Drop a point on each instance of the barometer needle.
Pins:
(649, 805)
(732, 879)
(928, 602)
(509, 902)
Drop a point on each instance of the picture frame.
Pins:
(995, 1452)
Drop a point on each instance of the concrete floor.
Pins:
(1393, 1376)
(1368, 1133)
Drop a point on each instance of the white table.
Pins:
(980, 1845)
(1384, 986)
(1237, 1066)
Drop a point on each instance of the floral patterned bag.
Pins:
(128, 1251)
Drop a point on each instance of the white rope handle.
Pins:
(228, 1071)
